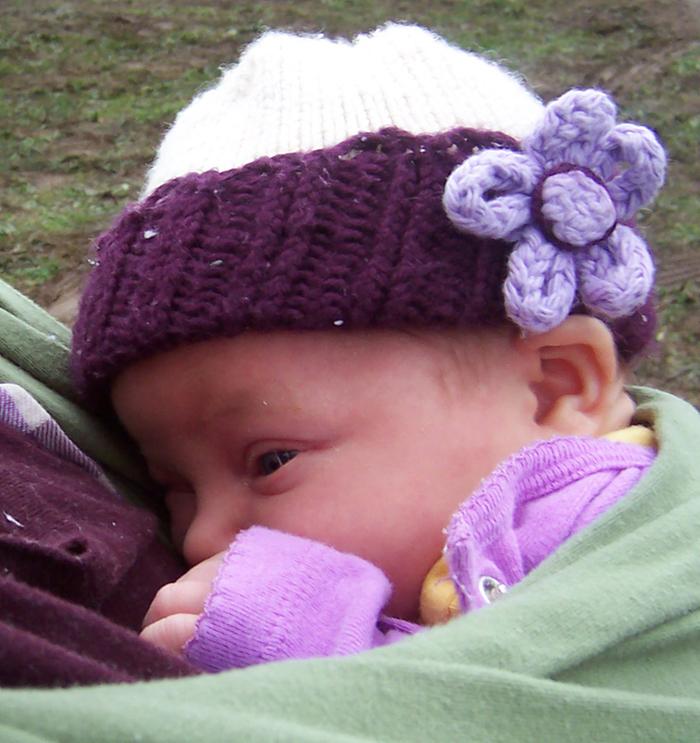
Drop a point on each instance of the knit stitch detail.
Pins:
(562, 201)
(298, 93)
(349, 237)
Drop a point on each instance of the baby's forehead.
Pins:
(284, 353)
(305, 385)
(342, 365)
(227, 371)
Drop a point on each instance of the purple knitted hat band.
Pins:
(357, 236)
(353, 236)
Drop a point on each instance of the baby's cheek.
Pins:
(182, 508)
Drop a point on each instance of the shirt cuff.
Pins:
(278, 596)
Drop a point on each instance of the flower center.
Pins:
(574, 207)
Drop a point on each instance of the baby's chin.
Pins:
(405, 599)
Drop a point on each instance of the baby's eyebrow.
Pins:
(246, 405)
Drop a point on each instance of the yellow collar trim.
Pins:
(635, 434)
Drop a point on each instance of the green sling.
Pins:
(600, 643)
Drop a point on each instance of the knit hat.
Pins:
(392, 181)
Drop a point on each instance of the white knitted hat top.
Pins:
(291, 93)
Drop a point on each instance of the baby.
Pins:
(370, 325)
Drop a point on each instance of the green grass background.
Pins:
(87, 89)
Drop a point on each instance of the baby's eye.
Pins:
(273, 460)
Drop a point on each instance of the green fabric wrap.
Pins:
(34, 351)
(600, 643)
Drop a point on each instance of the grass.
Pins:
(89, 87)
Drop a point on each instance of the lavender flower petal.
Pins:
(572, 129)
(615, 279)
(637, 148)
(541, 283)
(489, 194)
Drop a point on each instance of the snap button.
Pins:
(491, 589)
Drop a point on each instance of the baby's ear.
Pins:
(576, 378)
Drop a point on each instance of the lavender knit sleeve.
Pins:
(279, 596)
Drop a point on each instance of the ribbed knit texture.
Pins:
(279, 596)
(350, 237)
(304, 191)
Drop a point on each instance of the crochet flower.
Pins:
(563, 200)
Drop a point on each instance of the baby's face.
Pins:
(366, 441)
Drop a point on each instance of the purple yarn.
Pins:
(571, 130)
(357, 236)
(541, 283)
(639, 183)
(551, 224)
(578, 210)
(488, 194)
(347, 237)
(614, 277)
(578, 177)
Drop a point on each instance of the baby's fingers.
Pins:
(185, 597)
(171, 633)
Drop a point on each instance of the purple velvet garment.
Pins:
(78, 565)
(278, 596)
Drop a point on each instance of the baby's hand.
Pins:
(171, 618)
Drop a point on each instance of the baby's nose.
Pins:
(212, 530)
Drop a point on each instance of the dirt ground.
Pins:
(90, 87)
